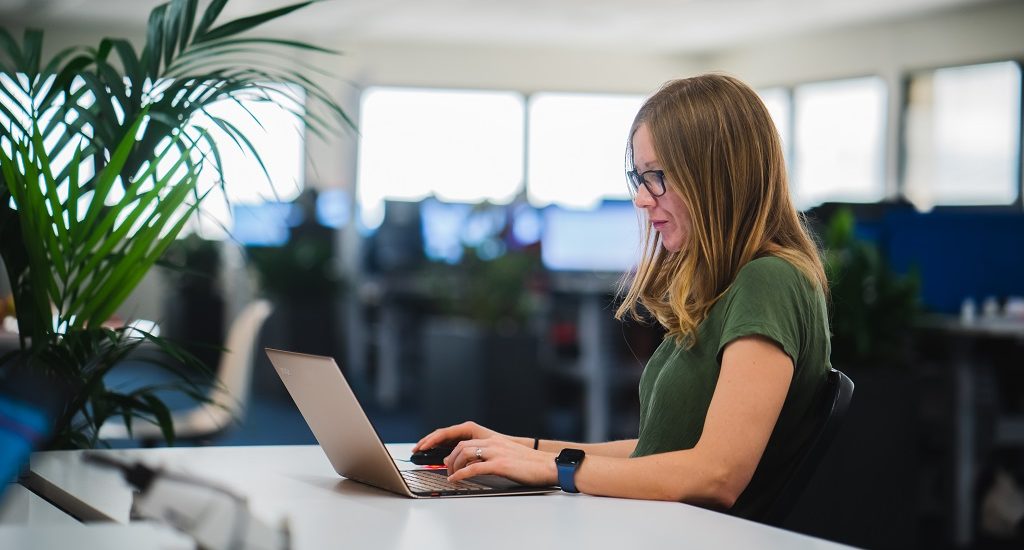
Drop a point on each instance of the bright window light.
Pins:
(780, 106)
(577, 148)
(839, 141)
(963, 136)
(276, 134)
(459, 146)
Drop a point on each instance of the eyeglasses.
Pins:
(653, 180)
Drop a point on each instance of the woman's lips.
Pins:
(658, 224)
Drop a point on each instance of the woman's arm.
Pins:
(617, 449)
(751, 389)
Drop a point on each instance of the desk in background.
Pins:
(963, 338)
(327, 511)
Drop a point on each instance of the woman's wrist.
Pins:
(529, 442)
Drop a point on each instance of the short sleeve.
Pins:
(769, 299)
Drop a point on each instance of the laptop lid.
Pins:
(346, 435)
(338, 422)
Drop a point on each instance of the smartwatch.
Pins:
(567, 462)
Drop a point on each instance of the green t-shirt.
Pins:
(772, 298)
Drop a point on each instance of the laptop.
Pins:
(352, 444)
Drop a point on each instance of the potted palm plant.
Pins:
(100, 157)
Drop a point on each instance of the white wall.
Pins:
(983, 33)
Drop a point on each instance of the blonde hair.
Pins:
(722, 155)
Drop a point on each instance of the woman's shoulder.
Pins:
(769, 270)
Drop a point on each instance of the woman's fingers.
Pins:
(466, 430)
(457, 459)
(474, 469)
(439, 436)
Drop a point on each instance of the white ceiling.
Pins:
(663, 26)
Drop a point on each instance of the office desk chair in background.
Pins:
(832, 407)
(228, 395)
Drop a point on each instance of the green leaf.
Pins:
(241, 25)
(108, 176)
(163, 416)
(188, 17)
(209, 16)
(32, 51)
(204, 49)
(154, 41)
(172, 22)
(10, 48)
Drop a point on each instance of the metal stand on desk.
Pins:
(595, 366)
(964, 444)
(595, 359)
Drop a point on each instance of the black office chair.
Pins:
(832, 406)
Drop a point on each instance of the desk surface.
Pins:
(324, 509)
(995, 327)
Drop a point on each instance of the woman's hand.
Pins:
(504, 457)
(454, 434)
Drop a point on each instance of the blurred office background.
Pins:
(459, 255)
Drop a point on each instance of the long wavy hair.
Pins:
(722, 155)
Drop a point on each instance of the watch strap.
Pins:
(567, 477)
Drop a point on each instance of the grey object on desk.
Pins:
(214, 515)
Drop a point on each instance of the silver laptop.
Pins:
(352, 444)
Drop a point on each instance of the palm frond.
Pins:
(83, 232)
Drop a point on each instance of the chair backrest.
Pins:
(230, 392)
(832, 407)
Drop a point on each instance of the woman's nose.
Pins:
(643, 198)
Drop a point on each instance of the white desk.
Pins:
(327, 511)
(20, 507)
(27, 522)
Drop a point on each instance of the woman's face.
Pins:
(668, 213)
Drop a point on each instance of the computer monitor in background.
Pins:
(442, 226)
(266, 224)
(605, 239)
(333, 208)
(396, 245)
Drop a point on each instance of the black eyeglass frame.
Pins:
(637, 178)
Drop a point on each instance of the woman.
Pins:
(732, 274)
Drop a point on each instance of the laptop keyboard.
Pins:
(430, 481)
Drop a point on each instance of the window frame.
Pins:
(906, 76)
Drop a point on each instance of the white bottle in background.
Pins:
(990, 308)
(1014, 308)
(968, 311)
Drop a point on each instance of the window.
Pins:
(276, 134)
(780, 106)
(962, 137)
(577, 146)
(455, 145)
(838, 142)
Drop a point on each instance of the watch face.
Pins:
(570, 456)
